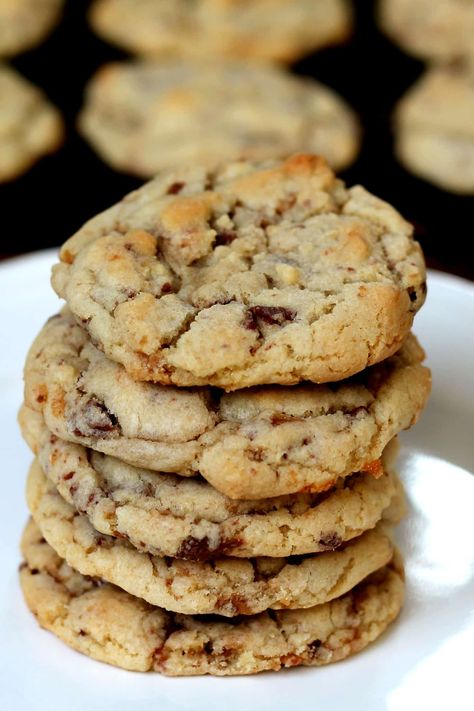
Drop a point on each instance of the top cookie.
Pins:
(281, 30)
(25, 23)
(250, 274)
(143, 116)
(430, 29)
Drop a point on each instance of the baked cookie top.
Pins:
(145, 116)
(25, 23)
(168, 515)
(248, 274)
(227, 586)
(254, 443)
(434, 125)
(30, 126)
(281, 30)
(439, 30)
(110, 625)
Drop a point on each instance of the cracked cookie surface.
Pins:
(25, 23)
(30, 126)
(250, 274)
(259, 442)
(434, 127)
(166, 514)
(281, 30)
(226, 586)
(112, 626)
(144, 116)
(440, 30)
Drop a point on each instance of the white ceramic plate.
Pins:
(424, 661)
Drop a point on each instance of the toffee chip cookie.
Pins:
(281, 30)
(246, 275)
(440, 30)
(25, 23)
(227, 586)
(110, 625)
(254, 443)
(30, 127)
(434, 128)
(145, 116)
(164, 514)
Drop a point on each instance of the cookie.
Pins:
(187, 518)
(250, 274)
(280, 30)
(434, 128)
(30, 127)
(227, 586)
(25, 23)
(110, 625)
(144, 116)
(439, 30)
(253, 443)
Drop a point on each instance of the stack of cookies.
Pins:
(214, 418)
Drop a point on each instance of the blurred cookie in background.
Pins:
(143, 116)
(281, 30)
(434, 127)
(430, 29)
(30, 126)
(25, 23)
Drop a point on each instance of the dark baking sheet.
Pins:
(45, 206)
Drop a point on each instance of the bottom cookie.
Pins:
(112, 626)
